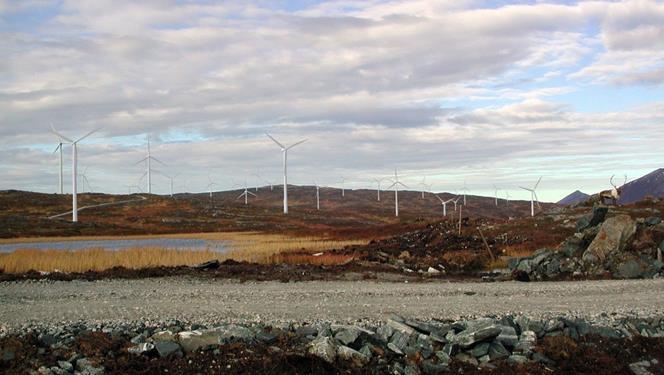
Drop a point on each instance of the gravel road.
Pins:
(196, 300)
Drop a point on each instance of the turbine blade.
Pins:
(439, 198)
(87, 135)
(62, 137)
(158, 161)
(275, 141)
(389, 187)
(252, 193)
(525, 188)
(240, 196)
(57, 148)
(295, 144)
(142, 160)
(538, 181)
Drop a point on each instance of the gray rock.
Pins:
(400, 327)
(194, 340)
(540, 256)
(477, 331)
(630, 269)
(65, 365)
(350, 354)
(553, 268)
(163, 336)
(367, 350)
(596, 217)
(324, 348)
(508, 336)
(526, 343)
(443, 356)
(652, 221)
(267, 337)
(640, 368)
(348, 335)
(480, 350)
(166, 348)
(516, 359)
(139, 339)
(411, 370)
(305, 331)
(141, 348)
(466, 358)
(399, 341)
(526, 265)
(424, 346)
(385, 332)
(498, 351)
(614, 235)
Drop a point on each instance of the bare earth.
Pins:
(210, 301)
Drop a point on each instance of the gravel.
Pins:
(214, 301)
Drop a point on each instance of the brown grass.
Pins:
(246, 246)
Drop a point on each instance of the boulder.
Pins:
(347, 336)
(630, 269)
(596, 217)
(324, 348)
(199, 339)
(142, 348)
(477, 331)
(163, 336)
(166, 348)
(498, 351)
(209, 265)
(652, 221)
(613, 237)
(350, 354)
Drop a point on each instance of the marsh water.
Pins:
(119, 244)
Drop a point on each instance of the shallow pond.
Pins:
(119, 244)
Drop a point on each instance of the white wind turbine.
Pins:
(148, 171)
(396, 184)
(317, 195)
(465, 190)
(378, 181)
(455, 203)
(246, 194)
(74, 165)
(284, 151)
(444, 203)
(343, 186)
(533, 197)
(424, 186)
(495, 188)
(211, 184)
(61, 180)
(84, 181)
(507, 198)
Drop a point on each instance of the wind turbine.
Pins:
(378, 181)
(317, 195)
(284, 151)
(533, 197)
(424, 186)
(74, 174)
(464, 189)
(507, 198)
(396, 184)
(343, 186)
(84, 180)
(61, 179)
(444, 203)
(495, 188)
(246, 194)
(210, 185)
(171, 178)
(455, 203)
(148, 171)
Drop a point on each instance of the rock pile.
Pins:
(398, 345)
(617, 247)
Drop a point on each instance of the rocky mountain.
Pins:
(651, 184)
(574, 198)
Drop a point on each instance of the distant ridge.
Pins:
(574, 198)
(651, 184)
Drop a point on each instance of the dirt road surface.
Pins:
(209, 301)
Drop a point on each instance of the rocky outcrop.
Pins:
(618, 247)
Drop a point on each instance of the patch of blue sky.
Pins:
(28, 19)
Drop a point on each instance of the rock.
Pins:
(539, 256)
(432, 271)
(139, 339)
(324, 348)
(8, 355)
(572, 246)
(424, 346)
(348, 335)
(400, 327)
(541, 358)
(443, 357)
(65, 365)
(411, 370)
(163, 336)
(526, 265)
(430, 368)
(398, 342)
(194, 340)
(630, 269)
(498, 351)
(385, 332)
(508, 336)
(526, 342)
(553, 268)
(477, 331)
(166, 348)
(466, 358)
(350, 354)
(516, 359)
(305, 331)
(267, 337)
(85, 367)
(614, 234)
(596, 217)
(652, 221)
(209, 265)
(480, 350)
(640, 368)
(142, 348)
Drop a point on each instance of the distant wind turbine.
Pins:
(61, 180)
(424, 186)
(455, 203)
(495, 188)
(507, 198)
(74, 164)
(284, 151)
(84, 181)
(343, 186)
(465, 190)
(148, 171)
(246, 194)
(378, 181)
(211, 184)
(317, 195)
(533, 197)
(396, 184)
(444, 203)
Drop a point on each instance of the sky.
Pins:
(461, 91)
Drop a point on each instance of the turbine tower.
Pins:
(148, 171)
(533, 197)
(464, 189)
(378, 181)
(507, 198)
(343, 186)
(84, 181)
(284, 151)
(210, 185)
(455, 203)
(61, 181)
(424, 185)
(245, 194)
(317, 195)
(495, 188)
(74, 174)
(444, 203)
(396, 192)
